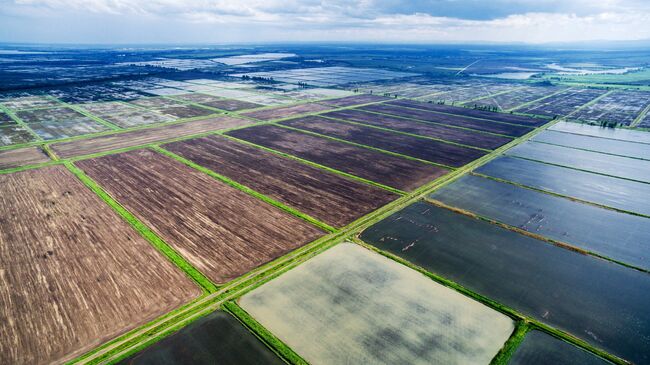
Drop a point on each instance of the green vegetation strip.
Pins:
(509, 348)
(279, 347)
(245, 189)
(640, 117)
(145, 231)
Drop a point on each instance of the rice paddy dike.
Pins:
(223, 183)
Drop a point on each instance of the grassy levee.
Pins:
(640, 117)
(145, 231)
(48, 151)
(246, 189)
(509, 348)
(363, 146)
(274, 343)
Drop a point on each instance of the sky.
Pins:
(264, 21)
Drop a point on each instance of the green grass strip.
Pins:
(245, 189)
(145, 231)
(48, 151)
(509, 348)
(640, 117)
(265, 335)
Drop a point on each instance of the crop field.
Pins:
(219, 103)
(464, 94)
(447, 133)
(563, 103)
(562, 288)
(15, 134)
(138, 117)
(73, 273)
(538, 348)
(22, 156)
(222, 231)
(624, 238)
(287, 111)
(623, 167)
(516, 97)
(56, 123)
(5, 119)
(354, 100)
(609, 191)
(140, 137)
(604, 132)
(350, 305)
(327, 76)
(28, 102)
(609, 146)
(375, 166)
(473, 113)
(217, 338)
(620, 107)
(331, 198)
(423, 148)
(449, 119)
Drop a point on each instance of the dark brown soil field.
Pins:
(222, 231)
(464, 136)
(389, 170)
(22, 157)
(232, 105)
(475, 113)
(456, 120)
(286, 111)
(73, 273)
(354, 100)
(134, 138)
(328, 197)
(422, 148)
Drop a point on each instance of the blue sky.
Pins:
(219, 21)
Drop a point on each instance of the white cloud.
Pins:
(367, 20)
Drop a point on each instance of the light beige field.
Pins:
(349, 305)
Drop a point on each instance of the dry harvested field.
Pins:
(331, 198)
(458, 135)
(448, 119)
(474, 113)
(389, 170)
(73, 273)
(232, 105)
(21, 157)
(354, 100)
(350, 305)
(222, 231)
(422, 148)
(135, 138)
(286, 111)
